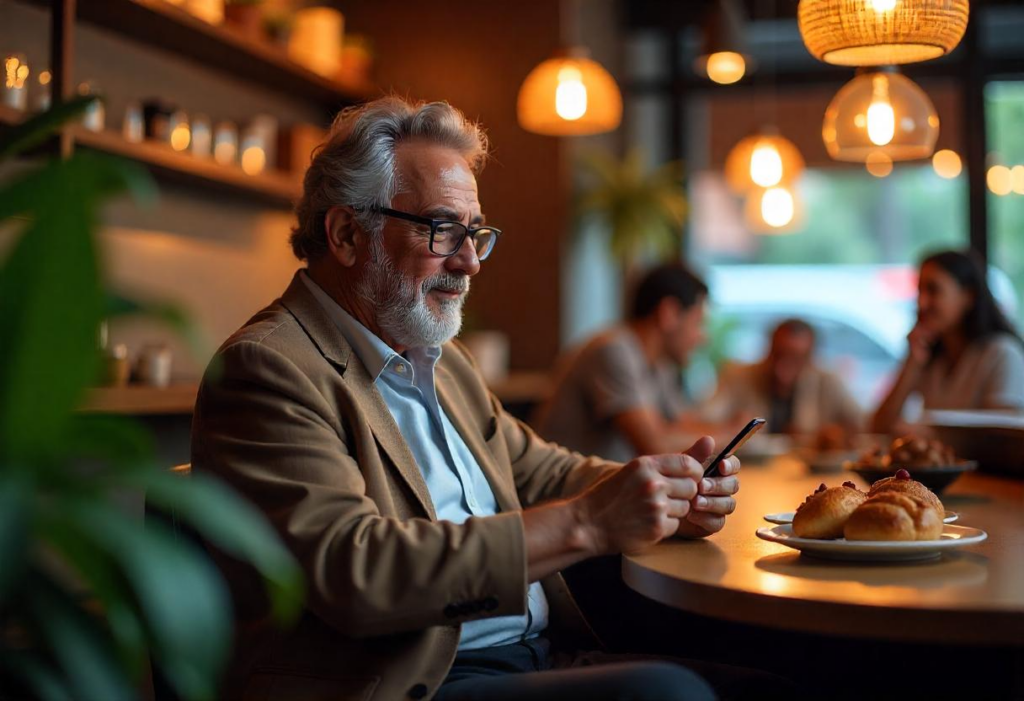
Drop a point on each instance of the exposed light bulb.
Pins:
(766, 165)
(881, 118)
(571, 94)
(777, 207)
(726, 67)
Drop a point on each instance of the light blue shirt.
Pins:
(458, 487)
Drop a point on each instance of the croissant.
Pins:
(890, 515)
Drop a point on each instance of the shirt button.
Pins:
(400, 369)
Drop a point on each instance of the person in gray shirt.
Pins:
(963, 352)
(619, 394)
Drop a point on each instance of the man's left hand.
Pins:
(714, 500)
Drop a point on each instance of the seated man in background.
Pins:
(789, 390)
(431, 525)
(620, 395)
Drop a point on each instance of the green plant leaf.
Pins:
(99, 572)
(38, 129)
(77, 642)
(51, 302)
(185, 605)
(232, 525)
(15, 520)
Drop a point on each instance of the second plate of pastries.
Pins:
(898, 519)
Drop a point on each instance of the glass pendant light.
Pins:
(762, 160)
(880, 111)
(569, 95)
(881, 32)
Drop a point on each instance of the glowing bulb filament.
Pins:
(571, 94)
(881, 118)
(766, 166)
(881, 6)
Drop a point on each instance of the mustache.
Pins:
(447, 282)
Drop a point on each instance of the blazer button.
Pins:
(418, 692)
(490, 603)
(451, 611)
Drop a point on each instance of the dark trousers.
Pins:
(529, 670)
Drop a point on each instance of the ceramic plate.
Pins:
(874, 551)
(785, 517)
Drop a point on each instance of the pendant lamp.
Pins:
(880, 111)
(569, 95)
(762, 160)
(881, 32)
(723, 54)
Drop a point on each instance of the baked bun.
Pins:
(913, 451)
(893, 516)
(824, 513)
(902, 484)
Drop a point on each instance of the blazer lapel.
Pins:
(334, 346)
(501, 484)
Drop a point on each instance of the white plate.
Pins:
(787, 517)
(871, 550)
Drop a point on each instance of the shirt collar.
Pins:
(374, 353)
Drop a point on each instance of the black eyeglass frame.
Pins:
(467, 232)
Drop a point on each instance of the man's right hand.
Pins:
(639, 504)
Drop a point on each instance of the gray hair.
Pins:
(355, 165)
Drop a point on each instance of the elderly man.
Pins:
(430, 524)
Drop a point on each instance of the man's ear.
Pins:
(343, 234)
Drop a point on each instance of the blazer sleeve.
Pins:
(264, 427)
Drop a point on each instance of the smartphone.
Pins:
(711, 470)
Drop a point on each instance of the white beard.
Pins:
(402, 310)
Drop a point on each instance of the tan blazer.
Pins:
(288, 415)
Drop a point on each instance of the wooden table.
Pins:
(973, 596)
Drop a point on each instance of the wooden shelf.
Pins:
(157, 23)
(140, 400)
(271, 187)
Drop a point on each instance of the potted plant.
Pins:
(89, 598)
(246, 16)
(642, 210)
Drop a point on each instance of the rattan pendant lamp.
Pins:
(881, 32)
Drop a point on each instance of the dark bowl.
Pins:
(935, 478)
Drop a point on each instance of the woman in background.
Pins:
(964, 353)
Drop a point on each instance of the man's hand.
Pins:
(639, 504)
(714, 500)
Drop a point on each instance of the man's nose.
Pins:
(465, 259)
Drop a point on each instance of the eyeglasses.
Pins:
(447, 237)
